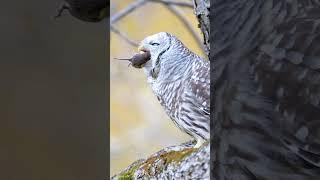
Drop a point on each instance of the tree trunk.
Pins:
(176, 162)
(202, 10)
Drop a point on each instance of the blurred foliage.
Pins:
(138, 124)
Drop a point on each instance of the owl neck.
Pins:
(175, 63)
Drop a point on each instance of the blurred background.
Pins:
(53, 104)
(138, 124)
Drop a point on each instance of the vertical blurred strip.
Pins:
(53, 94)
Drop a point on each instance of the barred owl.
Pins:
(181, 81)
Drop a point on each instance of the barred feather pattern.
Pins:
(182, 87)
(266, 89)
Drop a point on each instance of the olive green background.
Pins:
(53, 94)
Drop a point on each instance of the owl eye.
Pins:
(154, 44)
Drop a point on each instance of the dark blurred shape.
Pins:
(86, 10)
(266, 94)
(53, 104)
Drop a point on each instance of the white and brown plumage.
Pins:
(181, 81)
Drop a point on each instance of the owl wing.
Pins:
(195, 98)
(287, 71)
(267, 97)
(199, 86)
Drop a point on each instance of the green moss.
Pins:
(177, 156)
(167, 157)
(128, 174)
(126, 177)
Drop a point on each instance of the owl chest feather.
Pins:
(168, 95)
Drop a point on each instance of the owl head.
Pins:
(156, 45)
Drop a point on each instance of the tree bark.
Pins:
(176, 162)
(202, 10)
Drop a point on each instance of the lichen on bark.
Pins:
(175, 162)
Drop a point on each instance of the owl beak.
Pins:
(142, 49)
(145, 54)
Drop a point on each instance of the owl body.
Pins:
(181, 82)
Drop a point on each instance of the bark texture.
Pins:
(202, 10)
(176, 162)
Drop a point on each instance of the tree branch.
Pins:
(123, 36)
(188, 26)
(202, 9)
(131, 7)
(170, 4)
(176, 3)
